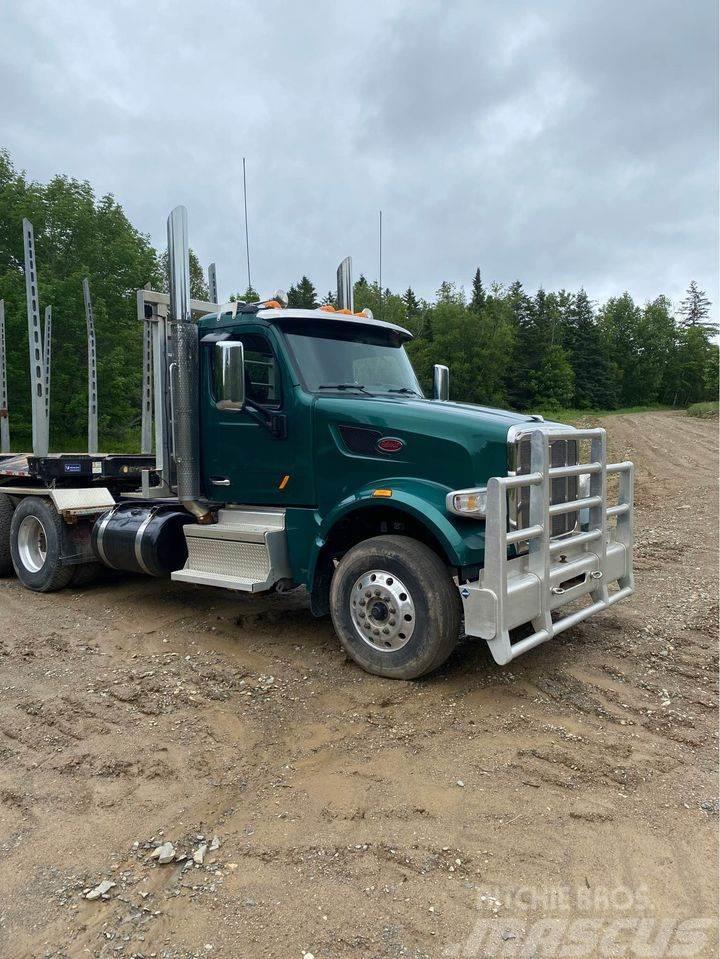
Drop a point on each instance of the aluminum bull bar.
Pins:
(555, 571)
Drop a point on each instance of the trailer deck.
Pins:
(72, 469)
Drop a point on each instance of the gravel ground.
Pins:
(356, 816)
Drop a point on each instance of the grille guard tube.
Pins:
(529, 588)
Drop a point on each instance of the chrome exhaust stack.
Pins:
(184, 371)
(345, 293)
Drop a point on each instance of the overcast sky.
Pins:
(565, 143)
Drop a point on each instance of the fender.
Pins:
(462, 540)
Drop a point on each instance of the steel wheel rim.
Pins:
(382, 611)
(32, 544)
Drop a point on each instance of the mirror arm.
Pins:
(274, 423)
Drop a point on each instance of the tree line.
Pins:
(505, 346)
(550, 350)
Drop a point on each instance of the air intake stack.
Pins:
(345, 295)
(184, 369)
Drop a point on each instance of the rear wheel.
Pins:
(395, 607)
(36, 546)
(7, 508)
(84, 574)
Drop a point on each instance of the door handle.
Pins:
(219, 480)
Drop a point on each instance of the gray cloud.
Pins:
(564, 144)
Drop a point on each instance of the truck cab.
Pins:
(296, 448)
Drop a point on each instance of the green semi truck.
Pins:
(296, 448)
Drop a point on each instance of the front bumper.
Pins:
(555, 571)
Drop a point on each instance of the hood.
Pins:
(456, 445)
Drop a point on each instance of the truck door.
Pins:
(242, 462)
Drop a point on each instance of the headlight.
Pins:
(467, 502)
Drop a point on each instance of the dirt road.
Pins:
(358, 816)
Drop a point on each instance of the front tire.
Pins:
(395, 607)
(36, 546)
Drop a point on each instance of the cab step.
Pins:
(245, 550)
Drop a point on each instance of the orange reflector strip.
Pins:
(284, 481)
(382, 492)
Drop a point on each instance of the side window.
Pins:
(262, 373)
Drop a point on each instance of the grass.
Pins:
(127, 441)
(572, 415)
(704, 411)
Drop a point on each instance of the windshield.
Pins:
(367, 360)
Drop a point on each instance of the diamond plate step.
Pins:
(245, 550)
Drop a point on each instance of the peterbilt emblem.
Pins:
(389, 444)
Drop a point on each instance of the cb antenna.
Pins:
(247, 240)
(381, 286)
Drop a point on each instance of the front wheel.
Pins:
(395, 607)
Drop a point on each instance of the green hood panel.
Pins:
(451, 445)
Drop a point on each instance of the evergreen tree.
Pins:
(518, 380)
(620, 320)
(330, 299)
(595, 373)
(536, 355)
(412, 305)
(695, 356)
(302, 295)
(552, 382)
(695, 309)
(249, 296)
(477, 301)
(694, 363)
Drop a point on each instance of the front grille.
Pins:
(563, 452)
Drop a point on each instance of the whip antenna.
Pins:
(380, 281)
(247, 240)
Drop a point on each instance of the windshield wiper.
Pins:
(404, 389)
(344, 386)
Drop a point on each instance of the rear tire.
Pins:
(36, 546)
(395, 607)
(84, 574)
(7, 508)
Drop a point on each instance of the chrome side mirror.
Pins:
(229, 375)
(441, 382)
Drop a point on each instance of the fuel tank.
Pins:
(142, 538)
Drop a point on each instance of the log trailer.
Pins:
(295, 448)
